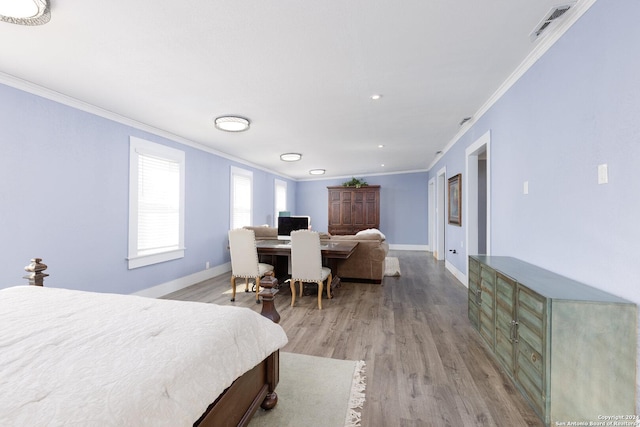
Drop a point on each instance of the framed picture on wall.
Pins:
(455, 200)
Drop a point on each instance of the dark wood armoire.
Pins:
(353, 209)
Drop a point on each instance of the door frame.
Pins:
(432, 214)
(441, 203)
(481, 145)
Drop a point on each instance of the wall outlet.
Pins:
(207, 265)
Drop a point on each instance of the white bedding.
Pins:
(85, 359)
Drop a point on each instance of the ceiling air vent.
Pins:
(552, 15)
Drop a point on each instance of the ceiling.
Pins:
(303, 72)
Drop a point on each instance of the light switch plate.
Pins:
(525, 187)
(603, 174)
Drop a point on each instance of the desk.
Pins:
(332, 251)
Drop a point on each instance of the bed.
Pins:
(81, 358)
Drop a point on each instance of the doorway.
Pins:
(441, 203)
(432, 215)
(478, 196)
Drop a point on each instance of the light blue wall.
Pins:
(64, 197)
(403, 205)
(64, 184)
(576, 108)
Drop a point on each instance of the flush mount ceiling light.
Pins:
(231, 123)
(25, 12)
(316, 172)
(290, 157)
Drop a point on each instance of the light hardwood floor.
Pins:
(426, 365)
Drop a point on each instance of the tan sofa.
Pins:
(365, 264)
(264, 232)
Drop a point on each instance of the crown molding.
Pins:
(543, 44)
(328, 178)
(69, 101)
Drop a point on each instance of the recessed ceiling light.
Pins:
(25, 12)
(376, 96)
(290, 157)
(380, 146)
(317, 172)
(232, 123)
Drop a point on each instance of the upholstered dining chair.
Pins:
(244, 260)
(306, 264)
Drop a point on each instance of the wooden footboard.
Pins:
(237, 404)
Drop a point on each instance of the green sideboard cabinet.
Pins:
(569, 348)
(482, 286)
(474, 293)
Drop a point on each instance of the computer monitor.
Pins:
(287, 224)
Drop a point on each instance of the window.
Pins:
(281, 198)
(156, 203)
(241, 197)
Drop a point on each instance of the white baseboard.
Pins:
(409, 247)
(457, 273)
(183, 282)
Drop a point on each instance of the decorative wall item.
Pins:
(355, 182)
(455, 200)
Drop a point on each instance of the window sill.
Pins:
(144, 260)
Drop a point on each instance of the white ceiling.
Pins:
(301, 71)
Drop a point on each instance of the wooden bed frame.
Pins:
(237, 404)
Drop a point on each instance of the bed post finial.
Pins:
(36, 268)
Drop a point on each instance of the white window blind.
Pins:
(241, 198)
(156, 203)
(281, 198)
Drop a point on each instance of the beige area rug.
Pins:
(316, 392)
(391, 266)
